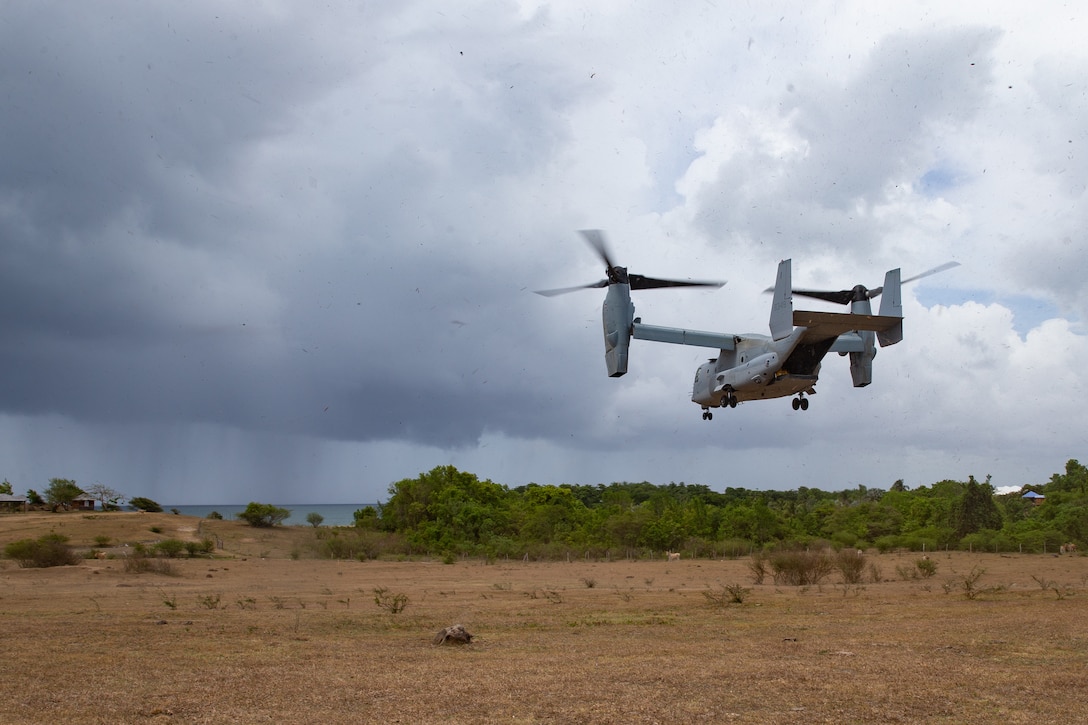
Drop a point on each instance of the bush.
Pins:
(200, 548)
(758, 566)
(799, 567)
(140, 562)
(727, 594)
(851, 564)
(361, 544)
(45, 551)
(215, 515)
(390, 602)
(170, 548)
(926, 567)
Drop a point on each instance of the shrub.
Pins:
(139, 562)
(922, 568)
(851, 564)
(45, 551)
(758, 566)
(361, 544)
(392, 603)
(968, 584)
(215, 515)
(926, 567)
(727, 594)
(170, 548)
(199, 548)
(102, 540)
(799, 567)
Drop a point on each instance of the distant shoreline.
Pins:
(333, 514)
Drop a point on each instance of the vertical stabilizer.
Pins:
(782, 306)
(891, 305)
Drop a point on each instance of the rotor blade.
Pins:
(939, 268)
(842, 297)
(595, 239)
(565, 290)
(640, 282)
(935, 270)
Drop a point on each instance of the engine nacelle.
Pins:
(617, 316)
(861, 363)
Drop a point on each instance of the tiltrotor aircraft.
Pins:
(752, 366)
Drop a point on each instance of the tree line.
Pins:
(450, 511)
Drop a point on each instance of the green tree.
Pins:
(1074, 480)
(61, 492)
(366, 517)
(142, 503)
(551, 514)
(314, 519)
(263, 515)
(5, 487)
(976, 510)
(34, 498)
(446, 508)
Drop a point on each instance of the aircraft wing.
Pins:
(822, 330)
(823, 326)
(679, 336)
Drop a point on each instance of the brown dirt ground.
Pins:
(255, 636)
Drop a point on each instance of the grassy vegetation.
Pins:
(251, 634)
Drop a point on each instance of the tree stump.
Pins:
(454, 634)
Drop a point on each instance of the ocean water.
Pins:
(336, 514)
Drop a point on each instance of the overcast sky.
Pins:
(286, 252)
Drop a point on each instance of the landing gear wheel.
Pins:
(796, 403)
(804, 403)
(732, 401)
(707, 415)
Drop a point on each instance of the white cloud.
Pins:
(375, 191)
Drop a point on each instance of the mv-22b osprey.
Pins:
(752, 366)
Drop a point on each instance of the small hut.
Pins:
(1035, 498)
(9, 502)
(83, 502)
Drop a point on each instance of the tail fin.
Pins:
(891, 305)
(782, 306)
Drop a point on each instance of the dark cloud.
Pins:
(246, 244)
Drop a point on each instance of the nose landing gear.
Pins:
(800, 402)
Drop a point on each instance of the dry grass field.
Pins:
(253, 635)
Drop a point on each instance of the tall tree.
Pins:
(5, 487)
(61, 492)
(264, 515)
(976, 510)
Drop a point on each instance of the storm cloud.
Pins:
(276, 252)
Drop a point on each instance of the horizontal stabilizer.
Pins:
(824, 325)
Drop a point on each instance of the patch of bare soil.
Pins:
(241, 638)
